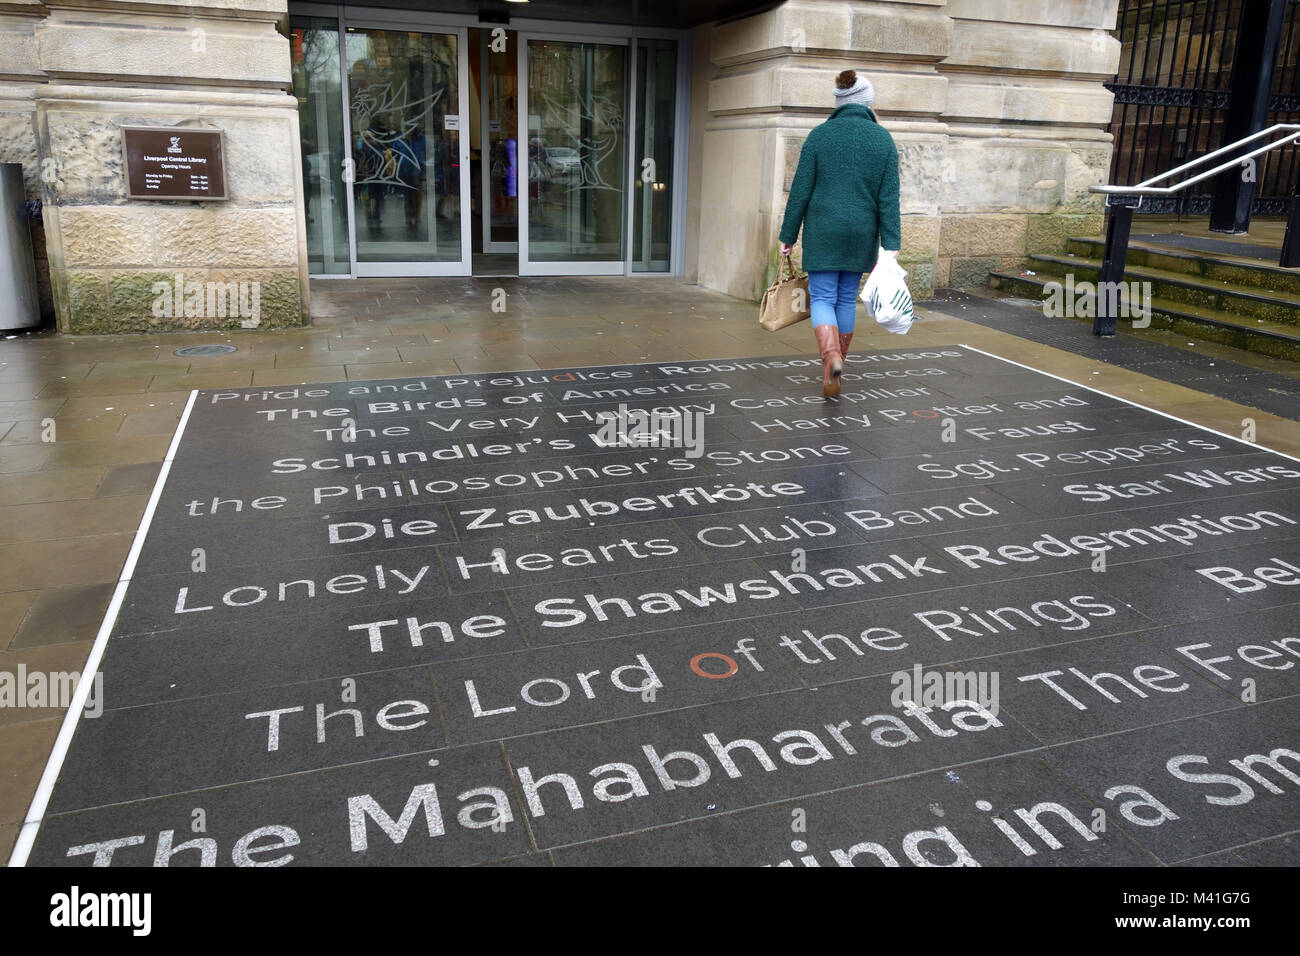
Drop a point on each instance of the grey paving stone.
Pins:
(773, 530)
(821, 420)
(866, 572)
(1156, 484)
(1279, 851)
(1006, 462)
(649, 501)
(1133, 534)
(571, 808)
(932, 819)
(313, 814)
(237, 542)
(1244, 384)
(137, 752)
(1188, 767)
(129, 480)
(896, 443)
(225, 597)
(557, 556)
(531, 691)
(179, 662)
(627, 604)
(1227, 859)
(1256, 654)
(531, 860)
(1085, 688)
(1174, 589)
(776, 530)
(861, 639)
(781, 452)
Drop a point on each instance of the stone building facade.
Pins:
(74, 74)
(997, 108)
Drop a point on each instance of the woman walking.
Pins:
(845, 196)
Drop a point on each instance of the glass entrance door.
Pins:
(407, 109)
(574, 136)
(579, 138)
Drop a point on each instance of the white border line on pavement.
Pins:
(1146, 408)
(36, 813)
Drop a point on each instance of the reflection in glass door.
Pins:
(574, 129)
(499, 112)
(315, 58)
(581, 143)
(653, 190)
(406, 97)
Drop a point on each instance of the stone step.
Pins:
(1236, 272)
(1253, 335)
(1215, 295)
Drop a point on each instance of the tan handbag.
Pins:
(786, 300)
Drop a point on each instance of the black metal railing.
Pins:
(1123, 201)
(1172, 91)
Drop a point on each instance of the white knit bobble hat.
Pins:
(861, 92)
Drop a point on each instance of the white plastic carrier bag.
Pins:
(886, 295)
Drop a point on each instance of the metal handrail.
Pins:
(1120, 207)
(1146, 189)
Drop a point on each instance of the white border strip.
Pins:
(1146, 408)
(36, 813)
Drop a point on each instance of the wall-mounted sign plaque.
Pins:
(174, 163)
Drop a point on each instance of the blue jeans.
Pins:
(833, 298)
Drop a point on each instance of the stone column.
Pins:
(773, 80)
(1027, 118)
(115, 63)
(997, 108)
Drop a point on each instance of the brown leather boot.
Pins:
(845, 339)
(832, 362)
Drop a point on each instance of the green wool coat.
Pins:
(845, 193)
